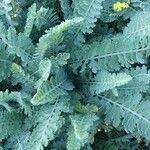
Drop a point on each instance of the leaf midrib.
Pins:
(51, 90)
(125, 108)
(110, 55)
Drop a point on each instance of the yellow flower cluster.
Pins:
(118, 6)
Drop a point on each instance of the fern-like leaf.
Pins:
(122, 50)
(45, 18)
(44, 71)
(82, 132)
(5, 62)
(15, 46)
(90, 10)
(18, 142)
(111, 54)
(5, 9)
(11, 123)
(6, 97)
(31, 16)
(66, 8)
(59, 61)
(140, 80)
(50, 90)
(48, 121)
(19, 76)
(53, 36)
(138, 26)
(79, 107)
(129, 111)
(24, 50)
(104, 81)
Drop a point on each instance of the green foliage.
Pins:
(5, 61)
(18, 142)
(134, 120)
(6, 8)
(15, 46)
(59, 61)
(104, 81)
(120, 51)
(85, 108)
(44, 71)
(30, 20)
(82, 132)
(11, 123)
(49, 91)
(66, 8)
(53, 36)
(74, 75)
(47, 122)
(90, 11)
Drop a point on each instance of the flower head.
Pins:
(118, 6)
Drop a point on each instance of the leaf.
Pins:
(31, 16)
(140, 80)
(88, 108)
(59, 61)
(82, 130)
(18, 75)
(90, 11)
(15, 46)
(104, 81)
(18, 142)
(122, 50)
(49, 91)
(45, 18)
(53, 36)
(6, 8)
(48, 121)
(128, 111)
(44, 71)
(6, 97)
(66, 8)
(11, 123)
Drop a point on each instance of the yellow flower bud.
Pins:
(118, 6)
